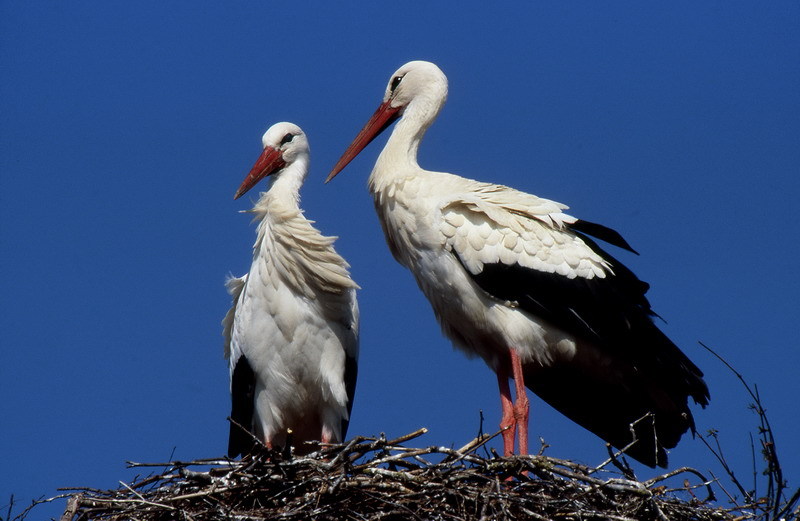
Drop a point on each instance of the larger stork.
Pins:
(291, 336)
(514, 280)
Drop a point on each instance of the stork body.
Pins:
(291, 336)
(516, 281)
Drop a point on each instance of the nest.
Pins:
(380, 479)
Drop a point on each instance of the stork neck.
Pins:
(401, 149)
(399, 156)
(285, 189)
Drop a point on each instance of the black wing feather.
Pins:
(243, 385)
(350, 377)
(648, 374)
(604, 233)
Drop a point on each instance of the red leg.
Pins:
(508, 422)
(522, 405)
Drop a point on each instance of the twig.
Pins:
(652, 481)
(788, 506)
(72, 508)
(145, 501)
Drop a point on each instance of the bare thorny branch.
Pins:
(773, 505)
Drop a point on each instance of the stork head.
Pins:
(416, 90)
(284, 143)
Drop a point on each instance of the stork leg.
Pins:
(522, 405)
(508, 422)
(515, 413)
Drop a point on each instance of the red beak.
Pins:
(380, 121)
(269, 162)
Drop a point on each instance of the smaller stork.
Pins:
(291, 336)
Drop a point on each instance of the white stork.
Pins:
(516, 281)
(291, 336)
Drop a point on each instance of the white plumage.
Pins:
(516, 281)
(291, 337)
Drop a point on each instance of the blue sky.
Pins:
(126, 130)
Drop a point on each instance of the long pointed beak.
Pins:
(380, 121)
(269, 162)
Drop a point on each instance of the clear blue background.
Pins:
(126, 129)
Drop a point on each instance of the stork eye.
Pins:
(395, 82)
(287, 138)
